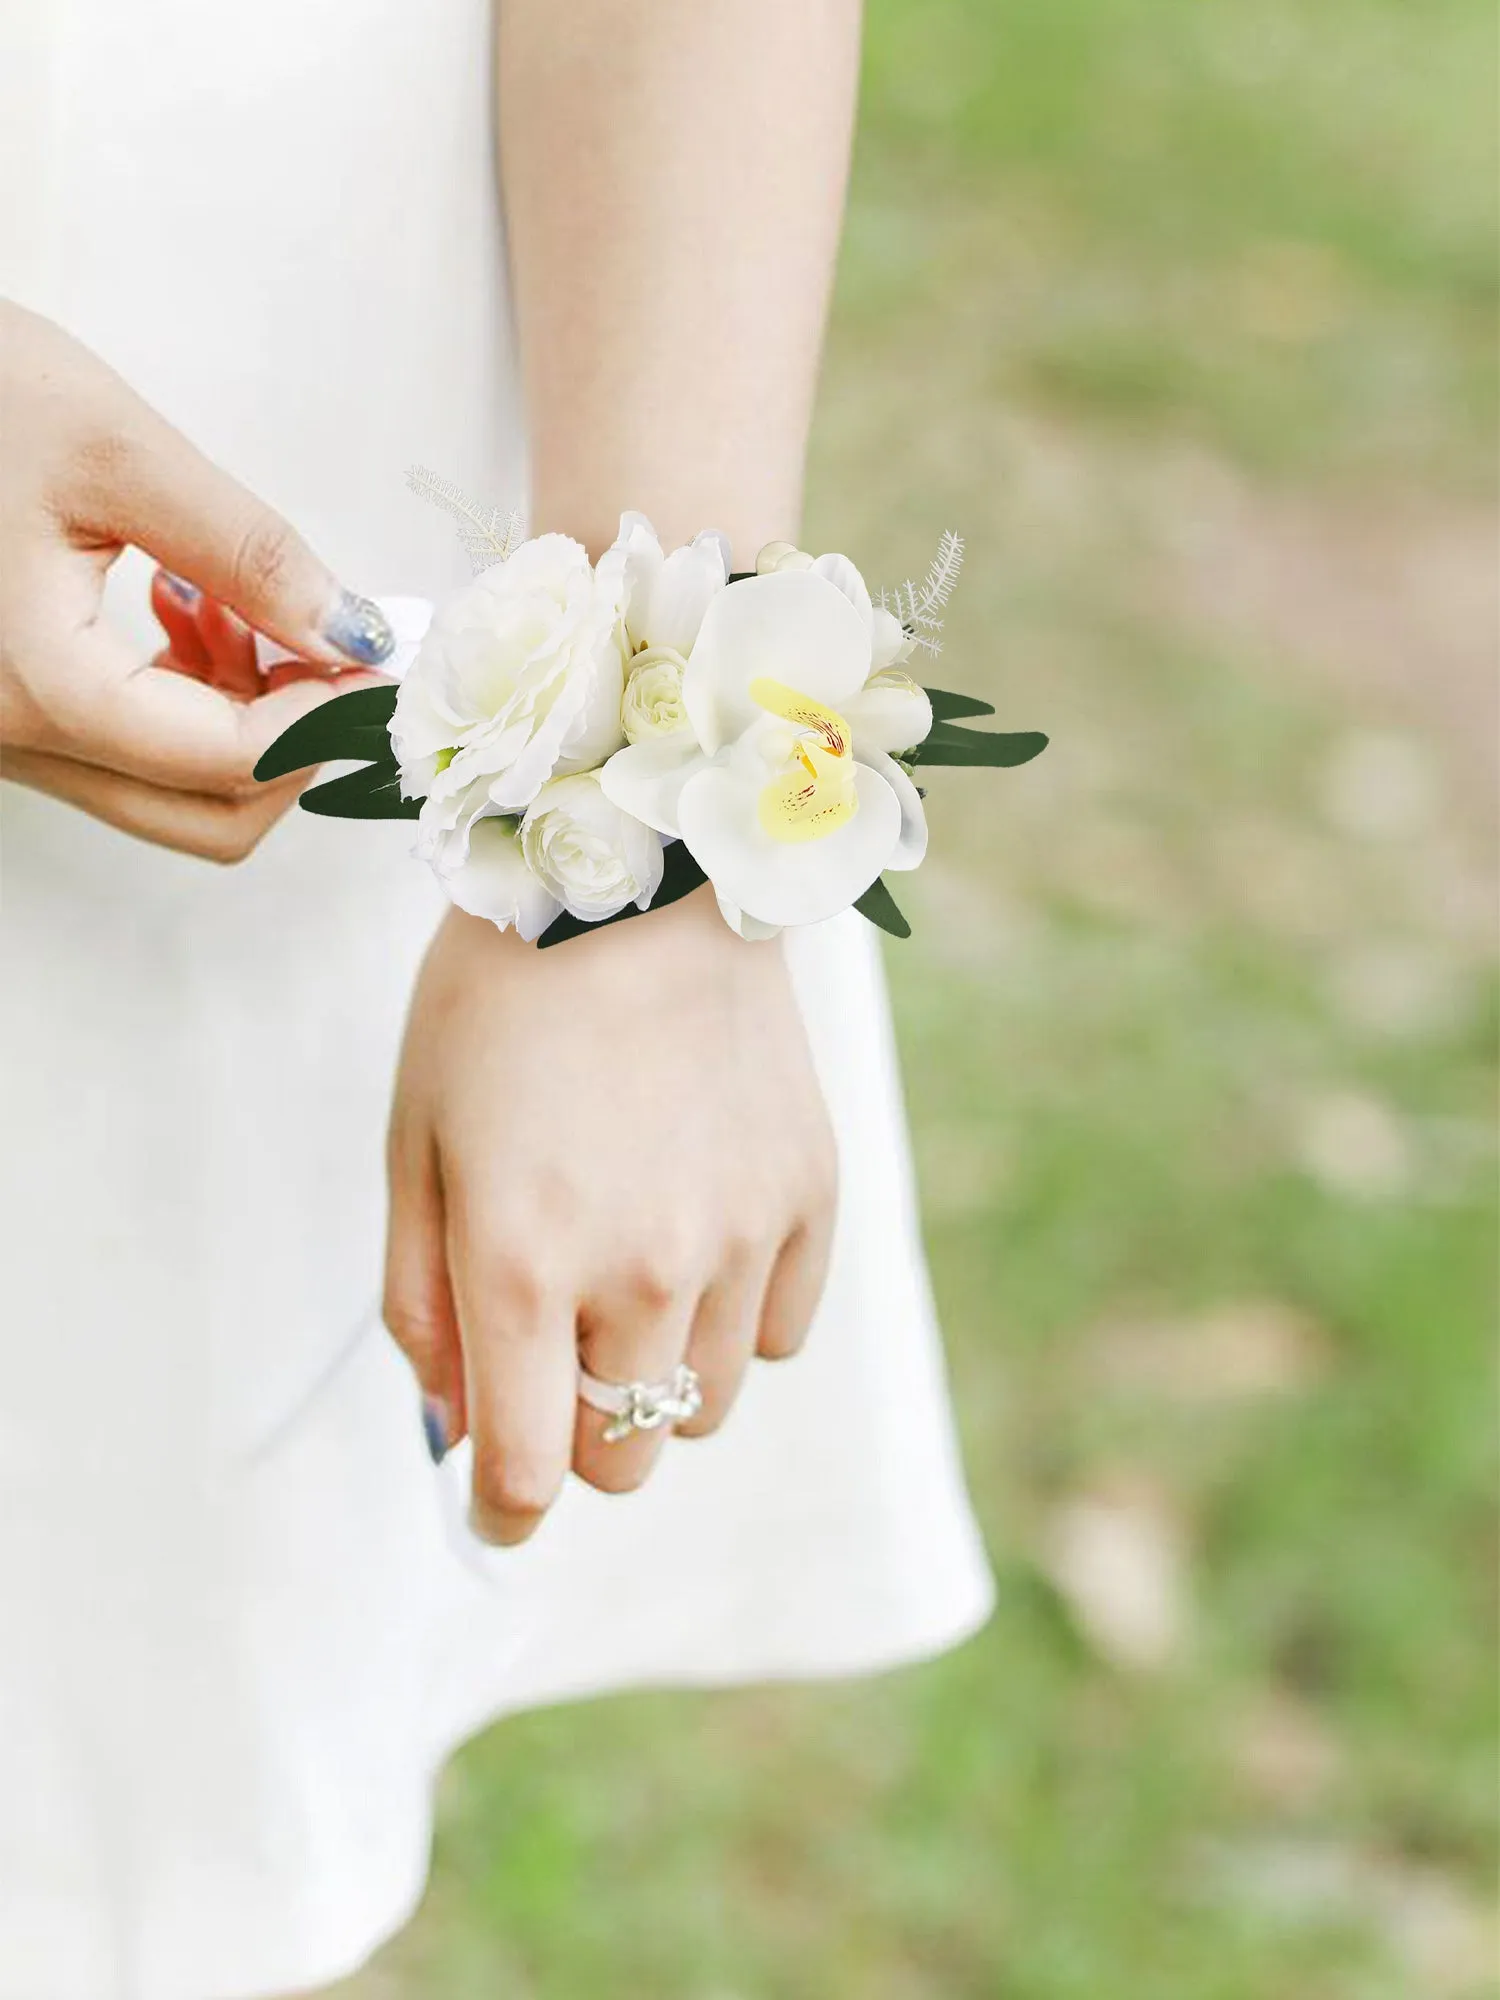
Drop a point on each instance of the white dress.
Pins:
(241, 1623)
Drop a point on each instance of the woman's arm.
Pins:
(674, 179)
(619, 1148)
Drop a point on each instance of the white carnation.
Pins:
(519, 679)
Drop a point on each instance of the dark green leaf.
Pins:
(351, 725)
(879, 905)
(680, 876)
(945, 706)
(950, 745)
(371, 793)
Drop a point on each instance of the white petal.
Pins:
(726, 552)
(912, 846)
(890, 642)
(785, 882)
(636, 553)
(794, 627)
(888, 718)
(842, 574)
(682, 592)
(597, 730)
(645, 779)
(750, 928)
(494, 881)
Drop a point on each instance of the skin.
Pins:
(161, 749)
(617, 1149)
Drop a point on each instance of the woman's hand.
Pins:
(613, 1151)
(166, 753)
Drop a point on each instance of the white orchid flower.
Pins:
(783, 786)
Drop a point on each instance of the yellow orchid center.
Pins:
(815, 792)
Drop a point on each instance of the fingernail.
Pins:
(435, 1427)
(180, 588)
(359, 630)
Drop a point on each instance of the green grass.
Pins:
(1149, 297)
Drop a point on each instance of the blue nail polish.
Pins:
(435, 1427)
(359, 630)
(186, 593)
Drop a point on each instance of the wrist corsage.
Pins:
(581, 742)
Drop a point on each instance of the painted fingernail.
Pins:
(435, 1427)
(186, 593)
(359, 630)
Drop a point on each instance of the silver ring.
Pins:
(643, 1406)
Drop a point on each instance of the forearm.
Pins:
(674, 179)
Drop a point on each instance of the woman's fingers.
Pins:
(520, 1384)
(164, 727)
(231, 650)
(796, 1285)
(722, 1343)
(175, 605)
(225, 829)
(418, 1305)
(149, 486)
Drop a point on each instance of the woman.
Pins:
(245, 1620)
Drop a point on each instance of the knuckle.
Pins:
(510, 1282)
(651, 1285)
(743, 1246)
(413, 1328)
(265, 558)
(824, 1184)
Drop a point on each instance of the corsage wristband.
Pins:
(580, 742)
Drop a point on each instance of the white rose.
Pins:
(653, 695)
(519, 678)
(586, 852)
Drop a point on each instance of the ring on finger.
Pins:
(642, 1406)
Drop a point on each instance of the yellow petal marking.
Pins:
(815, 793)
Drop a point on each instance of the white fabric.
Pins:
(241, 1622)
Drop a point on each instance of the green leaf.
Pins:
(351, 725)
(680, 876)
(945, 706)
(950, 745)
(879, 905)
(371, 793)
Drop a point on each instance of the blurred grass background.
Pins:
(1182, 311)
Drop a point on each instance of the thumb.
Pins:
(156, 490)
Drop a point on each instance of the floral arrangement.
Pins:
(580, 742)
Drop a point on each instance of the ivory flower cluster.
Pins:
(578, 741)
(563, 722)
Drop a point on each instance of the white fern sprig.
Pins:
(488, 534)
(917, 604)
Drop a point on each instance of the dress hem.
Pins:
(327, 1967)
